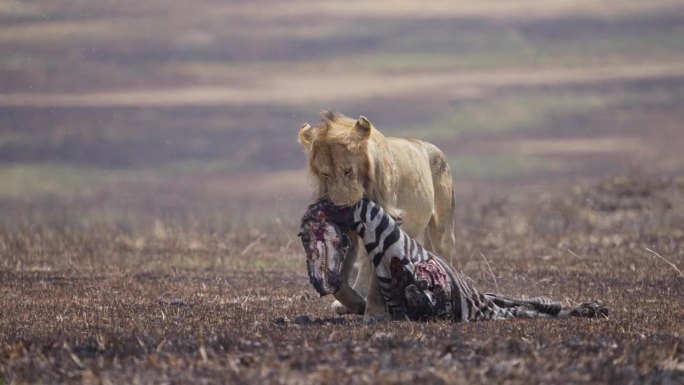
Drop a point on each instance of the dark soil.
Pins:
(88, 306)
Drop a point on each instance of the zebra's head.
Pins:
(325, 244)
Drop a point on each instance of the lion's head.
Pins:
(345, 157)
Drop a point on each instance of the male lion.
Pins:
(409, 178)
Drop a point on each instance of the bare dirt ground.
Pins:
(106, 306)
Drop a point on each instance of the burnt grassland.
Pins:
(177, 305)
(151, 185)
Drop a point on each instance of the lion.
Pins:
(409, 178)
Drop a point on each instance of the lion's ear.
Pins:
(362, 128)
(306, 132)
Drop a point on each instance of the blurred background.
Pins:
(150, 114)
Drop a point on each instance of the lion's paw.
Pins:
(339, 308)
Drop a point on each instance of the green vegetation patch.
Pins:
(427, 47)
(35, 179)
(506, 165)
(23, 180)
(534, 109)
(519, 111)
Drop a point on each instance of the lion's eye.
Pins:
(347, 171)
(325, 175)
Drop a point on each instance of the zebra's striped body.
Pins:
(419, 285)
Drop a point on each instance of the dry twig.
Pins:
(252, 244)
(666, 261)
(496, 284)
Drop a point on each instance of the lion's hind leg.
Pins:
(440, 230)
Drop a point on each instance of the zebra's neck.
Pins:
(380, 232)
(369, 221)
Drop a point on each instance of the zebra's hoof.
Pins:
(593, 309)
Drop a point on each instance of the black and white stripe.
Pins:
(385, 241)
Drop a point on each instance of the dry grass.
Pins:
(168, 305)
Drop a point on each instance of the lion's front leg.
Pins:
(348, 299)
(376, 310)
(364, 273)
(367, 285)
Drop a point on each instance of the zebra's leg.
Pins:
(593, 309)
(541, 305)
(545, 307)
